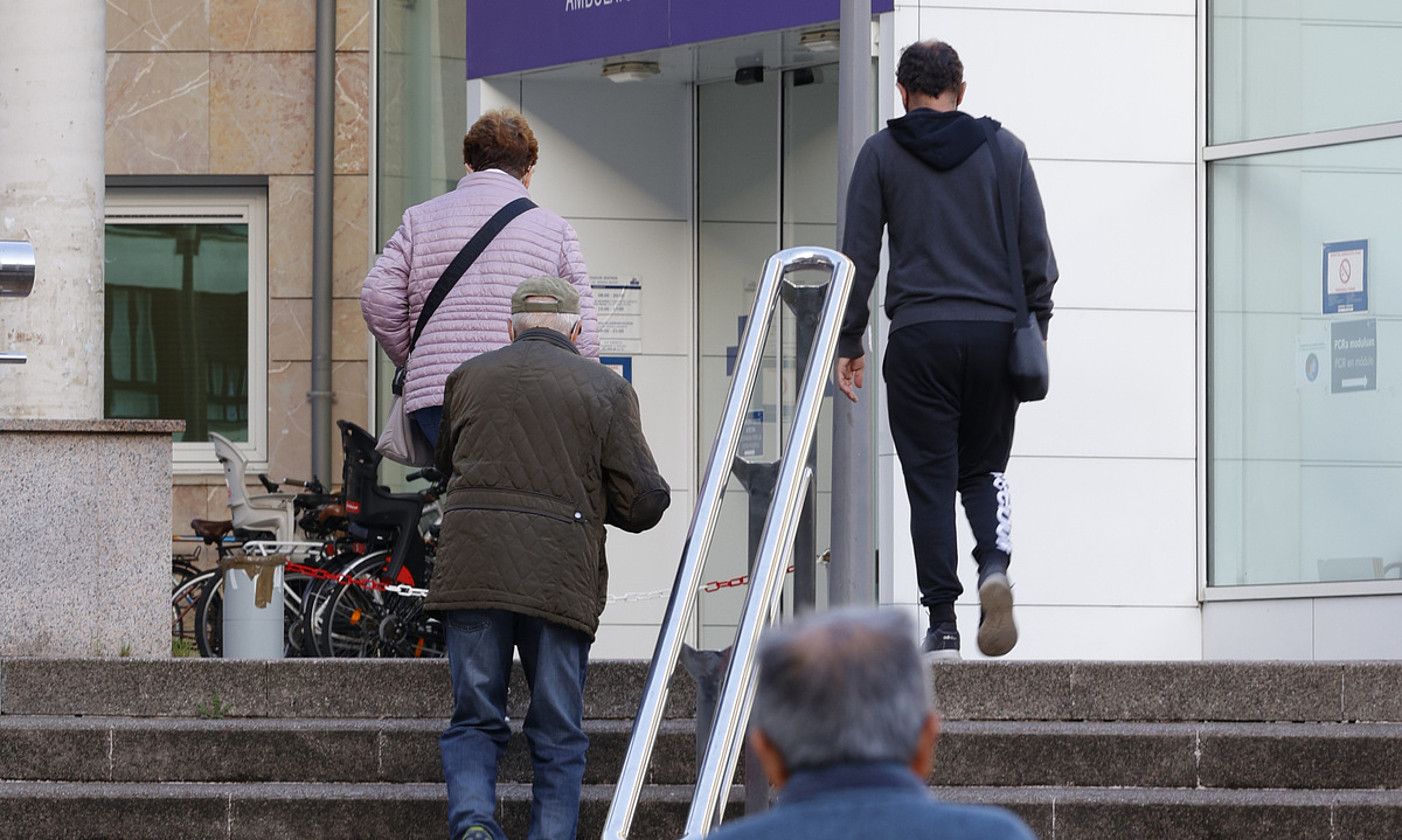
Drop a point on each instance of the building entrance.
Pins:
(680, 185)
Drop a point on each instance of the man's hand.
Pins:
(849, 375)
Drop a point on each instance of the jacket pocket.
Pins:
(514, 501)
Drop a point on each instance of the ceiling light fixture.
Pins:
(631, 71)
(819, 40)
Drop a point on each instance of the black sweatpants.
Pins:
(952, 409)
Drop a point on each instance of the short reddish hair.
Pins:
(501, 139)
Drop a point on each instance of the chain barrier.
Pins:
(376, 585)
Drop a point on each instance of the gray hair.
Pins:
(843, 686)
(560, 322)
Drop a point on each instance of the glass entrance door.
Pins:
(766, 180)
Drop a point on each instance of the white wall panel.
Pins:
(652, 558)
(1123, 233)
(1258, 630)
(1358, 628)
(613, 151)
(668, 403)
(1096, 633)
(1122, 386)
(659, 254)
(624, 641)
(1079, 86)
(1097, 531)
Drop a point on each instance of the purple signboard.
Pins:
(507, 36)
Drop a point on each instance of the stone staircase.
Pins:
(347, 749)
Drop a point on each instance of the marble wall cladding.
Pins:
(350, 246)
(353, 24)
(262, 25)
(352, 146)
(157, 113)
(261, 113)
(290, 330)
(204, 497)
(290, 420)
(350, 340)
(290, 236)
(157, 25)
(348, 380)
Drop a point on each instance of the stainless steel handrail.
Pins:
(773, 547)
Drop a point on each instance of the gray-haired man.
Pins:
(544, 448)
(845, 726)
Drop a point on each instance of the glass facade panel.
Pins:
(176, 326)
(1305, 392)
(1281, 67)
(421, 74)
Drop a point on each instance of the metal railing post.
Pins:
(771, 559)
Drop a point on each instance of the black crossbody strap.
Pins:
(464, 260)
(1007, 199)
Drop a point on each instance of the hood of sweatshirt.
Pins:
(942, 139)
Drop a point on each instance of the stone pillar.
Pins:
(53, 70)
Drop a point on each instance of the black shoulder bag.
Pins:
(1027, 358)
(402, 440)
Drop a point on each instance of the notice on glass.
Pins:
(1355, 351)
(1346, 277)
(619, 302)
(1311, 355)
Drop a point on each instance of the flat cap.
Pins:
(545, 294)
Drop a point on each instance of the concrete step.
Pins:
(970, 753)
(297, 811)
(292, 688)
(308, 811)
(1046, 691)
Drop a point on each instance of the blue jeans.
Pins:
(554, 658)
(428, 420)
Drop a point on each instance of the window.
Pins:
(186, 316)
(1304, 262)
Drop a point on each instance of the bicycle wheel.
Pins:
(362, 622)
(318, 595)
(184, 602)
(209, 618)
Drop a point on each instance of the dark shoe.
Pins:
(942, 642)
(997, 633)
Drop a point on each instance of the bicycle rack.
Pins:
(770, 561)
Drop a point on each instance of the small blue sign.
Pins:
(1345, 282)
(621, 365)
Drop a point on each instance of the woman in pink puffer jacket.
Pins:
(499, 152)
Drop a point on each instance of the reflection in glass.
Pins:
(1289, 68)
(1306, 462)
(176, 326)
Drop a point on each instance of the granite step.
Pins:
(973, 753)
(992, 691)
(308, 811)
(292, 811)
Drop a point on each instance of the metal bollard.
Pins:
(253, 608)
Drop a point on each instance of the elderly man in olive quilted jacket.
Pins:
(544, 448)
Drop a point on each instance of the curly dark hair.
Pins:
(930, 67)
(501, 139)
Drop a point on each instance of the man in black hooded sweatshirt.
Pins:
(929, 179)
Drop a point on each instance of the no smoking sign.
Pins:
(1345, 277)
